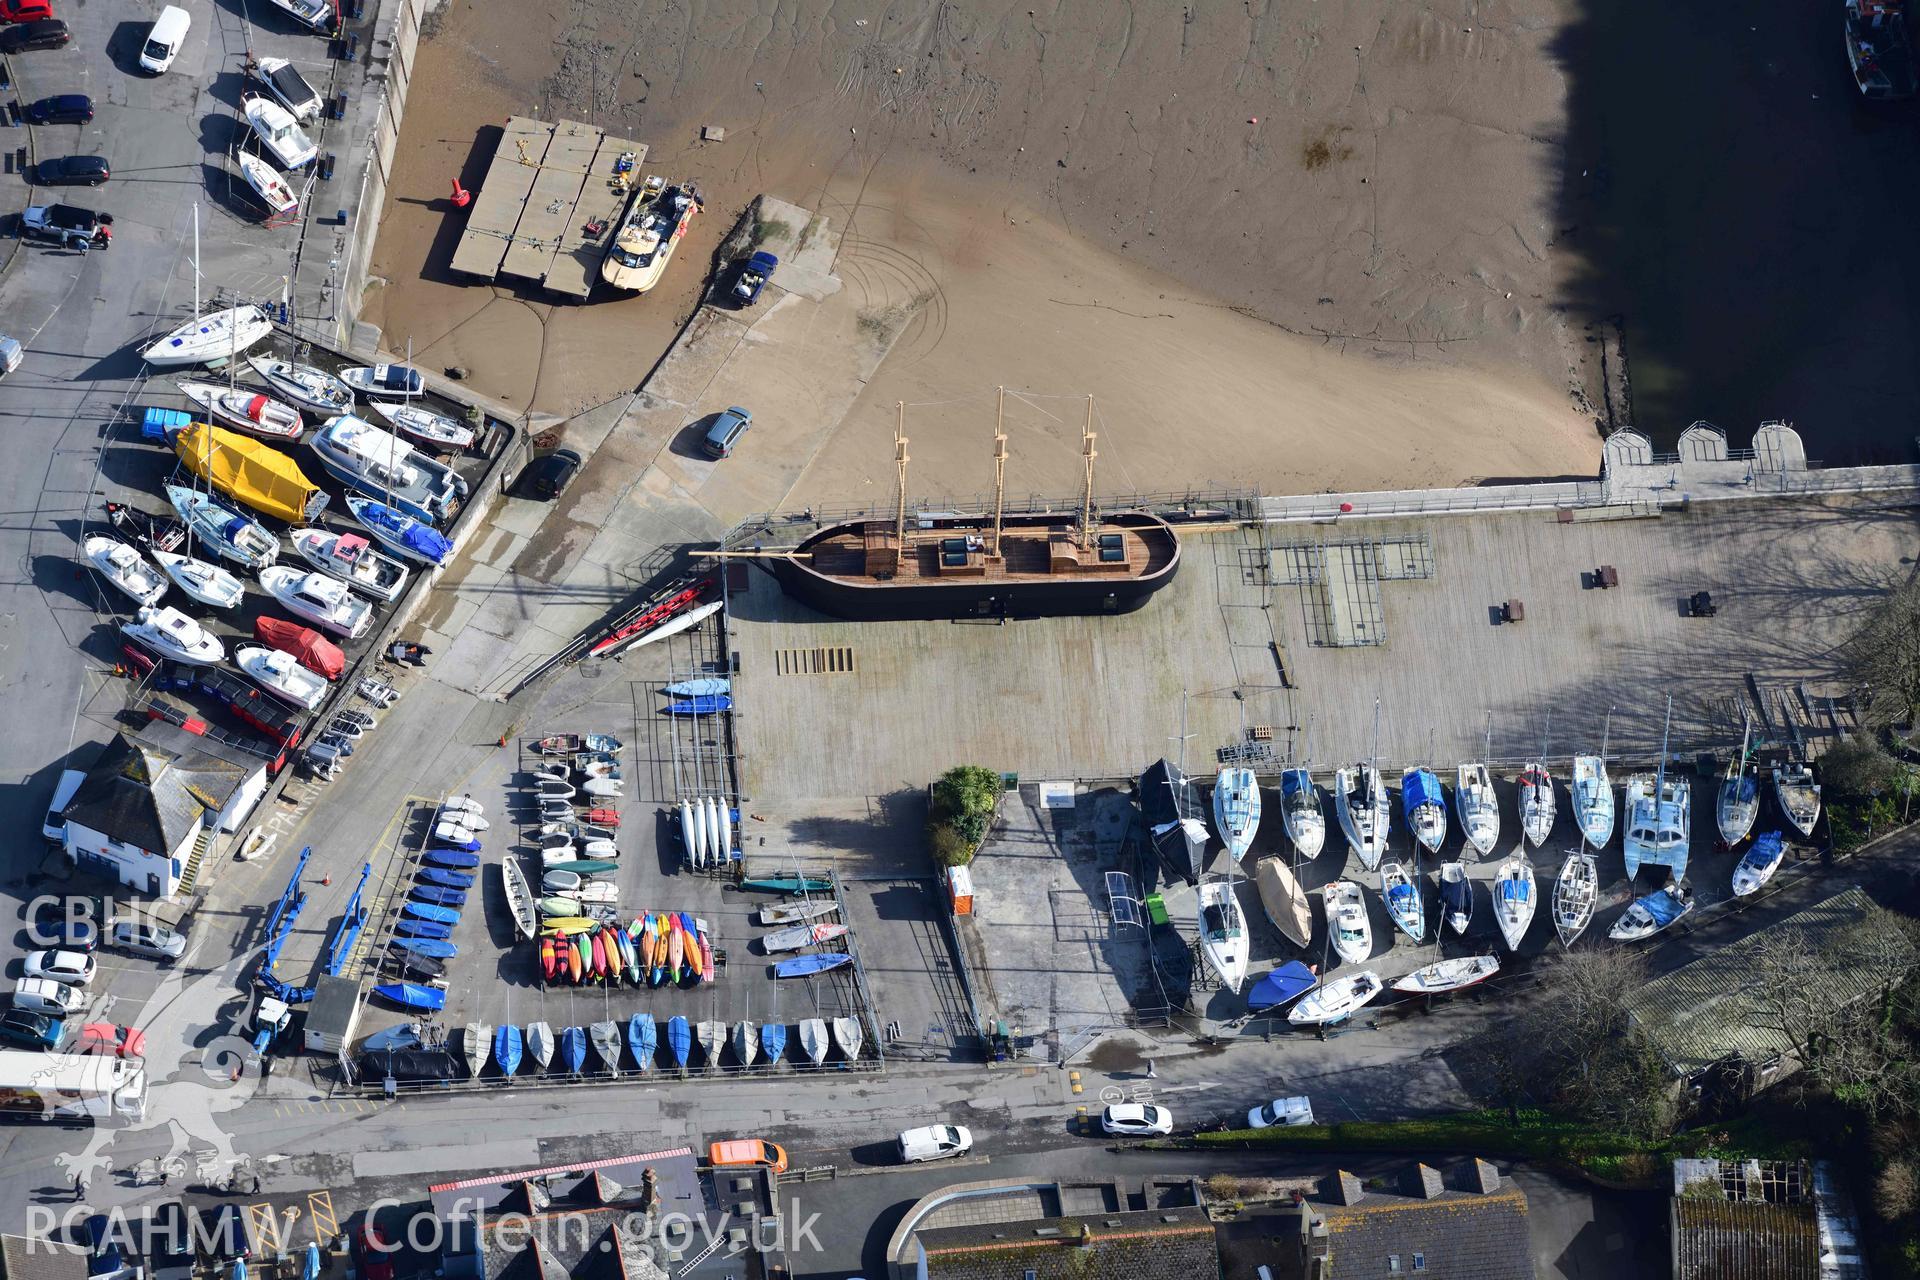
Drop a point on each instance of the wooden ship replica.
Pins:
(1007, 564)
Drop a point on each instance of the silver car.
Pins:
(156, 942)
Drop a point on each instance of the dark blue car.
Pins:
(754, 274)
(62, 108)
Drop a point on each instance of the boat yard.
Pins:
(547, 211)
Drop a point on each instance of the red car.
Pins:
(106, 1038)
(373, 1252)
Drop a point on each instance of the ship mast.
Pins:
(900, 460)
(999, 472)
(1086, 499)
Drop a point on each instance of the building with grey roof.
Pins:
(1155, 1244)
(37, 1258)
(1717, 1007)
(152, 805)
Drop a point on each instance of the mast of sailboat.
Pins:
(1182, 740)
(999, 472)
(1660, 772)
(1605, 734)
(900, 463)
(1486, 757)
(1086, 497)
(1746, 732)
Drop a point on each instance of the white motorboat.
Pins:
(1592, 794)
(1798, 795)
(1223, 933)
(312, 389)
(1456, 896)
(326, 602)
(453, 831)
(1479, 809)
(1448, 975)
(279, 132)
(1405, 903)
(1360, 798)
(379, 464)
(245, 409)
(202, 581)
(318, 14)
(424, 426)
(172, 634)
(1753, 870)
(1738, 803)
(284, 81)
(468, 818)
(210, 339)
(1335, 1001)
(125, 568)
(274, 191)
(1536, 803)
(398, 531)
(1655, 911)
(1514, 899)
(1236, 810)
(231, 535)
(1284, 901)
(280, 673)
(1347, 922)
(352, 559)
(1574, 895)
(462, 804)
(374, 380)
(648, 234)
(1300, 811)
(1424, 806)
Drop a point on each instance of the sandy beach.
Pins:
(1304, 249)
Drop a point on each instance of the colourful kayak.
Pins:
(693, 941)
(786, 884)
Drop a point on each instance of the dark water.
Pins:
(1753, 222)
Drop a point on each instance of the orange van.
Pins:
(738, 1152)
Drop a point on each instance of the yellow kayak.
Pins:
(567, 925)
(249, 471)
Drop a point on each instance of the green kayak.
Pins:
(787, 884)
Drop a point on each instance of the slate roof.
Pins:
(30, 1258)
(1457, 1235)
(140, 795)
(1709, 1008)
(1162, 1244)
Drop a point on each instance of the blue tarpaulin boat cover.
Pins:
(1664, 907)
(1420, 788)
(1515, 890)
(1294, 781)
(1765, 852)
(1289, 981)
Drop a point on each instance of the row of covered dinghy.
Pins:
(608, 1048)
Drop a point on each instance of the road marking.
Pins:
(266, 1226)
(321, 1218)
(1110, 1094)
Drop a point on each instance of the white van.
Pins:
(164, 41)
(44, 995)
(935, 1142)
(54, 826)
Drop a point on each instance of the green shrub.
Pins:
(962, 809)
(948, 847)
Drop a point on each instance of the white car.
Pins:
(1136, 1120)
(1281, 1111)
(935, 1142)
(44, 995)
(75, 968)
(154, 941)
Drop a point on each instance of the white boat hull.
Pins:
(211, 338)
(205, 583)
(1335, 1001)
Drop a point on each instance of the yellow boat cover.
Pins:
(249, 471)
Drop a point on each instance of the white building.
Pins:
(152, 807)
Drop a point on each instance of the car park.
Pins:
(1281, 1111)
(44, 995)
(49, 33)
(547, 476)
(61, 108)
(54, 827)
(168, 33)
(111, 1039)
(143, 938)
(75, 968)
(72, 171)
(726, 431)
(228, 1240)
(935, 1142)
(170, 1242)
(1136, 1120)
(25, 10)
(54, 928)
(373, 1252)
(25, 1029)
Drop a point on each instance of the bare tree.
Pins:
(1883, 658)
(1584, 1048)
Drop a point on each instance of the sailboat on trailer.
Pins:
(1574, 895)
(1360, 798)
(1223, 932)
(1236, 809)
(1739, 801)
(1659, 816)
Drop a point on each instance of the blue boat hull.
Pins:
(679, 1040)
(453, 859)
(507, 1049)
(446, 879)
(440, 897)
(437, 948)
(411, 995)
(773, 1041)
(573, 1049)
(422, 929)
(642, 1040)
(807, 966)
(428, 911)
(703, 706)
